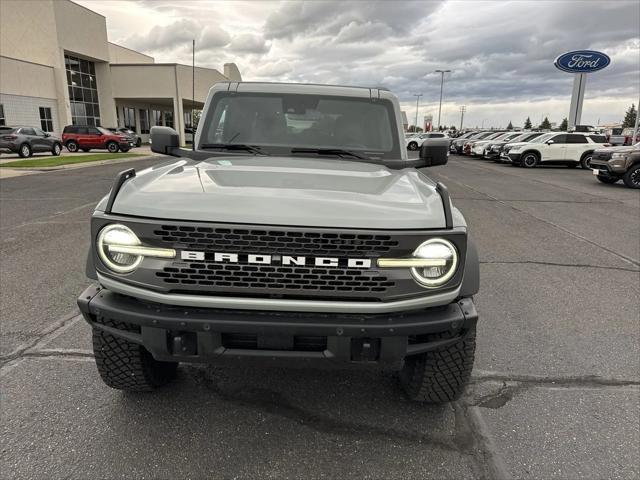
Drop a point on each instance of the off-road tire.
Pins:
(72, 146)
(530, 160)
(25, 150)
(112, 147)
(585, 161)
(412, 146)
(128, 366)
(607, 180)
(632, 178)
(56, 149)
(124, 149)
(138, 142)
(441, 375)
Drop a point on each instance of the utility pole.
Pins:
(635, 128)
(417, 95)
(463, 109)
(441, 72)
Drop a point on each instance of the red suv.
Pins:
(77, 137)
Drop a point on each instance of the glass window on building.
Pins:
(83, 91)
(157, 117)
(46, 120)
(187, 119)
(144, 120)
(168, 119)
(129, 118)
(3, 121)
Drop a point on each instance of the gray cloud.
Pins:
(249, 43)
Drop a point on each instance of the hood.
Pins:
(516, 144)
(283, 191)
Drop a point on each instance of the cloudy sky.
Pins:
(500, 53)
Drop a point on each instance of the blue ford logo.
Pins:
(582, 61)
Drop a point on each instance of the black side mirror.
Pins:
(434, 151)
(549, 142)
(164, 140)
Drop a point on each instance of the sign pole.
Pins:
(577, 99)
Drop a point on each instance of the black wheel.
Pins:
(608, 180)
(530, 160)
(128, 366)
(56, 149)
(632, 178)
(86, 149)
(412, 146)
(138, 142)
(585, 161)
(112, 147)
(24, 151)
(124, 149)
(72, 146)
(441, 375)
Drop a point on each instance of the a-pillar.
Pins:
(178, 118)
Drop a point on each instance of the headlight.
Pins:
(118, 235)
(445, 259)
(619, 156)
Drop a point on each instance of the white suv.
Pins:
(571, 149)
(413, 142)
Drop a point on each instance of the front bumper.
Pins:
(199, 335)
(515, 157)
(606, 168)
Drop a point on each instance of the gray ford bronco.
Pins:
(297, 230)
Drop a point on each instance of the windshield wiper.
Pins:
(332, 151)
(234, 146)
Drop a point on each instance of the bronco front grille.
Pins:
(273, 277)
(276, 241)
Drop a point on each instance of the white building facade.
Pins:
(58, 68)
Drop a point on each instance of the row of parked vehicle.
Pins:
(25, 140)
(590, 150)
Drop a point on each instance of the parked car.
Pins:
(501, 152)
(618, 163)
(456, 144)
(467, 149)
(571, 149)
(480, 148)
(622, 136)
(27, 140)
(137, 140)
(414, 142)
(85, 138)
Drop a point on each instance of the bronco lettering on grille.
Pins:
(223, 257)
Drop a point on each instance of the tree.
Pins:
(546, 124)
(527, 123)
(510, 126)
(453, 128)
(564, 125)
(414, 129)
(630, 117)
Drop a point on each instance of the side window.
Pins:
(27, 131)
(81, 130)
(46, 120)
(598, 138)
(94, 131)
(572, 138)
(2, 119)
(559, 139)
(39, 132)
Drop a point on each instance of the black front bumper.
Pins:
(196, 335)
(515, 158)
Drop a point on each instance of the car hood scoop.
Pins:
(284, 191)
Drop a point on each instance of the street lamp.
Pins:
(417, 95)
(441, 72)
(463, 109)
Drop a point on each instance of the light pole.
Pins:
(441, 72)
(463, 109)
(417, 95)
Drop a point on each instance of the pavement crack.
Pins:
(556, 264)
(585, 381)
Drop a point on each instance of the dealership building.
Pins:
(58, 68)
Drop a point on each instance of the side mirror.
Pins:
(164, 140)
(433, 152)
(549, 142)
(47, 134)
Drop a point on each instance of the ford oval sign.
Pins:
(582, 61)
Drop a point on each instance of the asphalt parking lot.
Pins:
(556, 383)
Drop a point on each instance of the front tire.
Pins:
(56, 149)
(530, 160)
(128, 366)
(24, 151)
(72, 146)
(441, 375)
(632, 178)
(585, 161)
(112, 147)
(607, 180)
(124, 150)
(138, 142)
(86, 149)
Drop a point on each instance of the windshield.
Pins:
(278, 123)
(105, 131)
(494, 136)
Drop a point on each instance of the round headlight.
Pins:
(440, 250)
(118, 235)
